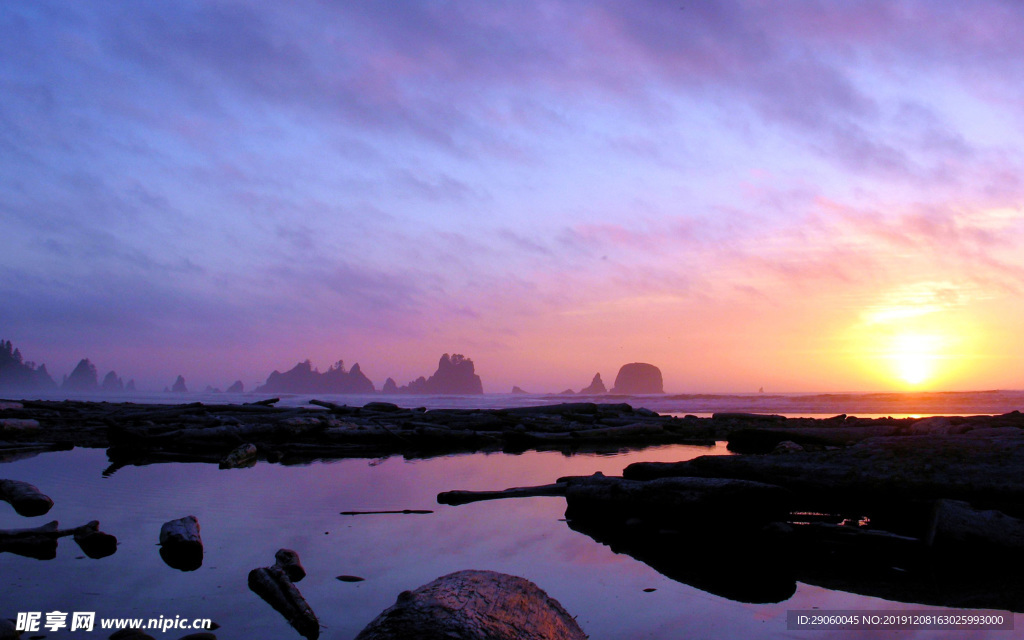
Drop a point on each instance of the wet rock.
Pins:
(95, 543)
(243, 456)
(638, 378)
(26, 499)
(475, 605)
(180, 545)
(959, 527)
(716, 503)
(288, 561)
(276, 589)
(987, 472)
(347, 578)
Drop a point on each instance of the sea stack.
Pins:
(596, 386)
(637, 378)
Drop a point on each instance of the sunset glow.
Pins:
(795, 196)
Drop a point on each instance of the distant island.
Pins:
(455, 375)
(638, 378)
(304, 378)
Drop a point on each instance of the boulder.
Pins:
(475, 605)
(637, 378)
(180, 545)
(241, 457)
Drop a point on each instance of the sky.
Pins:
(788, 195)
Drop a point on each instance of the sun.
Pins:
(915, 357)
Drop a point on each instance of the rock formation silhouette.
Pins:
(237, 387)
(179, 385)
(83, 379)
(111, 383)
(638, 377)
(16, 374)
(596, 386)
(304, 378)
(455, 375)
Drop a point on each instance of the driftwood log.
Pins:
(475, 605)
(180, 545)
(26, 499)
(276, 588)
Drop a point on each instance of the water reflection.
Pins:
(248, 514)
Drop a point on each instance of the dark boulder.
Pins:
(475, 605)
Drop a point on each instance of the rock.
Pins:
(567, 392)
(93, 542)
(180, 545)
(390, 386)
(83, 379)
(241, 457)
(345, 578)
(596, 386)
(303, 378)
(276, 589)
(986, 471)
(475, 605)
(21, 376)
(787, 446)
(961, 528)
(288, 561)
(382, 407)
(637, 378)
(716, 503)
(26, 499)
(179, 386)
(455, 375)
(236, 387)
(111, 383)
(17, 425)
(518, 391)
(130, 386)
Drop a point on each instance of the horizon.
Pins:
(800, 197)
